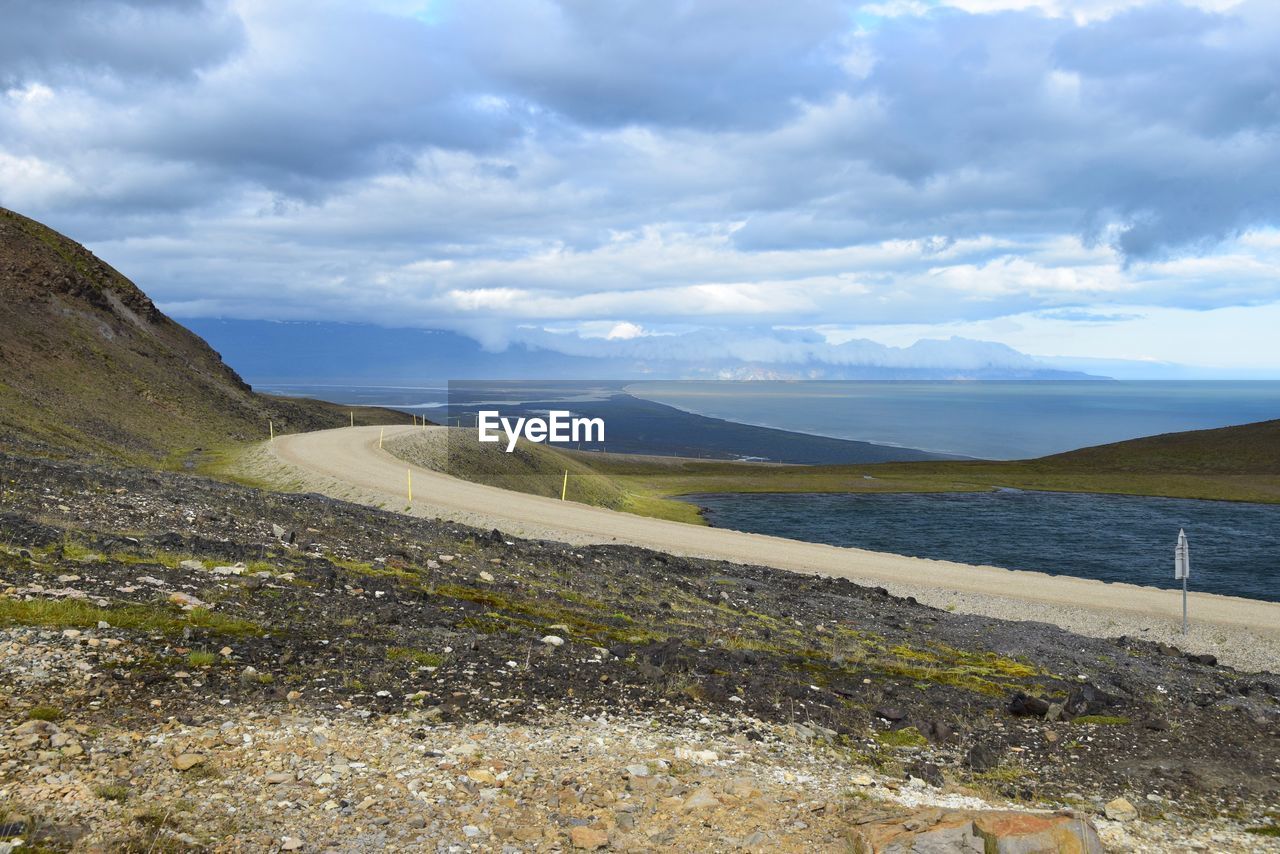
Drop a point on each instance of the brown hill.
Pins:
(89, 365)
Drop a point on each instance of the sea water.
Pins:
(1235, 547)
(997, 420)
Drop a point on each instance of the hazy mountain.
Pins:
(270, 351)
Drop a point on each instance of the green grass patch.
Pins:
(75, 614)
(113, 792)
(1271, 830)
(905, 737)
(981, 672)
(416, 656)
(44, 713)
(201, 658)
(1101, 720)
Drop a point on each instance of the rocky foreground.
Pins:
(195, 665)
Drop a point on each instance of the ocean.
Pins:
(990, 420)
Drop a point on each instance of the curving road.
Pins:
(348, 463)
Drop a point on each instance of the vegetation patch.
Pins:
(905, 737)
(1101, 720)
(75, 614)
(417, 656)
(1272, 830)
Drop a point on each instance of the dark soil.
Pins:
(360, 608)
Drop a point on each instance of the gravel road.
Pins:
(348, 463)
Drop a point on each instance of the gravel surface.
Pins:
(190, 663)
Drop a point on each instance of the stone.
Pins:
(1024, 705)
(862, 780)
(1027, 833)
(982, 758)
(588, 838)
(1087, 700)
(638, 770)
(938, 831)
(928, 772)
(485, 576)
(483, 777)
(187, 761)
(36, 727)
(186, 601)
(192, 565)
(701, 799)
(742, 789)
(1120, 810)
(553, 640)
(275, 778)
(290, 843)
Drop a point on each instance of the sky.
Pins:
(1092, 180)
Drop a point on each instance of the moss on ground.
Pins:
(905, 737)
(75, 614)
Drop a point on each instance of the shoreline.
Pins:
(347, 464)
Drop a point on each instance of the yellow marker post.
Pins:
(409, 473)
(271, 425)
(380, 434)
(564, 488)
(353, 418)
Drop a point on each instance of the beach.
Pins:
(348, 463)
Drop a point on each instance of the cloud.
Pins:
(710, 64)
(75, 40)
(654, 166)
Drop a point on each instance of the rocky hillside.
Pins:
(192, 665)
(89, 365)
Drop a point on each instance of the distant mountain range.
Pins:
(285, 352)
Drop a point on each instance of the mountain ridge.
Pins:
(89, 365)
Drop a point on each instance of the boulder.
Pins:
(588, 838)
(1087, 700)
(187, 761)
(938, 831)
(1024, 705)
(1120, 810)
(982, 758)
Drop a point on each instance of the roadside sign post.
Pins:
(1182, 570)
(564, 487)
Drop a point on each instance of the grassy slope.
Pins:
(537, 470)
(90, 367)
(1232, 463)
